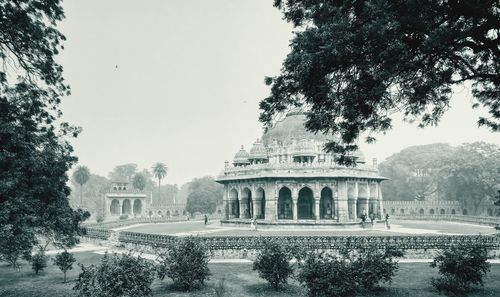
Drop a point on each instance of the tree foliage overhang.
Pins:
(354, 63)
(35, 153)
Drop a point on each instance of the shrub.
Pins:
(116, 276)
(64, 261)
(186, 263)
(460, 268)
(325, 275)
(39, 261)
(124, 217)
(99, 217)
(220, 289)
(374, 266)
(273, 264)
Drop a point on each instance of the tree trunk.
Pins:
(159, 183)
(81, 186)
(64, 272)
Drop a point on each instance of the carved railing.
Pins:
(278, 167)
(319, 242)
(128, 222)
(458, 218)
(97, 233)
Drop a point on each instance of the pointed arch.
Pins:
(305, 204)
(260, 196)
(326, 206)
(114, 208)
(247, 202)
(137, 207)
(233, 204)
(285, 204)
(126, 207)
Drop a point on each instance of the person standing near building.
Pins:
(387, 221)
(206, 219)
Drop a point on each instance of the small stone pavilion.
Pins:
(122, 199)
(287, 178)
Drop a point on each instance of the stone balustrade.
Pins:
(128, 222)
(218, 243)
(279, 167)
(97, 233)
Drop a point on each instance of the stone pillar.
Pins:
(367, 207)
(242, 208)
(225, 203)
(380, 200)
(107, 206)
(120, 202)
(342, 200)
(356, 198)
(295, 197)
(355, 209)
(271, 208)
(336, 202)
(256, 207)
(317, 200)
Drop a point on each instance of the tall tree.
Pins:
(34, 143)
(159, 171)
(123, 173)
(204, 195)
(355, 63)
(472, 173)
(415, 173)
(81, 176)
(94, 191)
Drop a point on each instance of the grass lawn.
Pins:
(412, 279)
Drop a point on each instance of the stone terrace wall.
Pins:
(321, 242)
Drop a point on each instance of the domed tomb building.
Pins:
(287, 178)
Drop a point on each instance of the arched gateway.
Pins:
(287, 178)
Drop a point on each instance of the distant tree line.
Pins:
(467, 173)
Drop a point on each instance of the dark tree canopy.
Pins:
(204, 195)
(416, 173)
(34, 144)
(139, 181)
(353, 63)
(468, 173)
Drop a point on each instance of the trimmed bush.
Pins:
(325, 275)
(39, 261)
(461, 268)
(64, 261)
(348, 274)
(186, 263)
(116, 276)
(374, 266)
(273, 264)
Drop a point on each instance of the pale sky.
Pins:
(180, 82)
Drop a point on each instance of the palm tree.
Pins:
(159, 171)
(81, 176)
